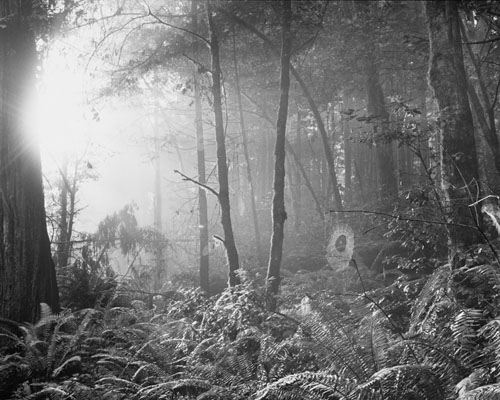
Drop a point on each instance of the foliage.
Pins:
(85, 284)
(339, 346)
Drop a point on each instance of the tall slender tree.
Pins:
(222, 169)
(204, 258)
(27, 273)
(279, 212)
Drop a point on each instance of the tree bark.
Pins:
(458, 149)
(279, 212)
(220, 137)
(27, 273)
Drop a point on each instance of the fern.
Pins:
(306, 385)
(51, 392)
(491, 333)
(118, 385)
(401, 382)
(336, 343)
(488, 392)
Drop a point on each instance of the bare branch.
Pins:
(206, 187)
(403, 218)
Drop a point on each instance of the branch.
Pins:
(206, 187)
(401, 218)
(159, 20)
(495, 39)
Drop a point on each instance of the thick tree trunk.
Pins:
(279, 213)
(220, 137)
(27, 273)
(459, 162)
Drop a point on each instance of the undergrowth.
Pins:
(432, 338)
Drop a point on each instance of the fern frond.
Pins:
(438, 352)
(306, 385)
(399, 382)
(112, 362)
(70, 366)
(119, 384)
(488, 392)
(190, 387)
(491, 333)
(374, 336)
(51, 392)
(154, 392)
(432, 299)
(239, 368)
(326, 327)
(476, 379)
(465, 325)
(146, 371)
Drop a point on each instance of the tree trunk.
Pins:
(488, 112)
(346, 136)
(279, 213)
(204, 257)
(27, 273)
(160, 267)
(62, 253)
(298, 183)
(458, 149)
(319, 121)
(386, 172)
(202, 196)
(258, 246)
(220, 138)
(296, 158)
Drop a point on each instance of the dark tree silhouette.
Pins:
(27, 273)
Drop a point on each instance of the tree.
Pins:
(312, 104)
(459, 166)
(386, 172)
(27, 273)
(279, 212)
(246, 154)
(223, 195)
(200, 150)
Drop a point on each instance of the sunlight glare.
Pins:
(58, 114)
